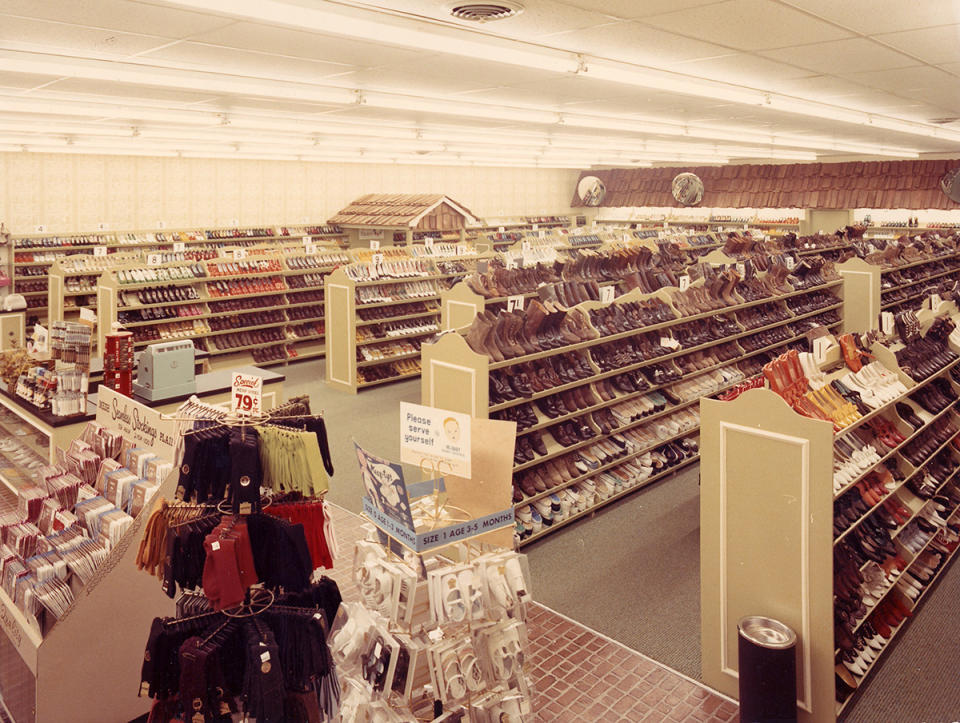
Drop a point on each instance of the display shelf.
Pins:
(388, 319)
(386, 380)
(409, 335)
(387, 359)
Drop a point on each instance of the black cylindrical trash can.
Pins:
(768, 671)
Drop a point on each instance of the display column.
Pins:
(766, 517)
(340, 314)
(861, 291)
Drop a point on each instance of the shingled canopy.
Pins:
(428, 212)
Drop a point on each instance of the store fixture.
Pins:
(379, 311)
(261, 303)
(842, 568)
(613, 383)
(99, 572)
(396, 218)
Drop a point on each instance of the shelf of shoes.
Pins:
(380, 308)
(270, 305)
(895, 496)
(614, 391)
(33, 254)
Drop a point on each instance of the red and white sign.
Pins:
(246, 394)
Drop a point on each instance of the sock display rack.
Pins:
(609, 405)
(837, 532)
(33, 254)
(260, 303)
(380, 308)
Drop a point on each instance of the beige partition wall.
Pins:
(861, 284)
(459, 306)
(340, 313)
(454, 376)
(766, 516)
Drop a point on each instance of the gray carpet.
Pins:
(631, 571)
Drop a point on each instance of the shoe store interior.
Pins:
(612, 346)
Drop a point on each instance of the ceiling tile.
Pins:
(748, 24)
(22, 80)
(743, 69)
(243, 62)
(921, 76)
(820, 87)
(635, 43)
(118, 92)
(631, 9)
(45, 36)
(931, 45)
(869, 17)
(446, 74)
(302, 44)
(852, 55)
(123, 15)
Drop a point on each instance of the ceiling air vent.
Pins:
(485, 12)
(944, 121)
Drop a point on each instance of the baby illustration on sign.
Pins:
(383, 481)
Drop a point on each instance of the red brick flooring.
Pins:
(579, 675)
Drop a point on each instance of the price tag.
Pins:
(669, 342)
(306, 240)
(239, 254)
(246, 394)
(742, 270)
(40, 338)
(664, 223)
(820, 232)
(515, 303)
(88, 315)
(310, 249)
(154, 259)
(41, 228)
(526, 246)
(99, 250)
(536, 227)
(593, 224)
(160, 224)
(886, 322)
(377, 259)
(935, 301)
(428, 242)
(511, 262)
(684, 282)
(179, 247)
(461, 250)
(501, 229)
(541, 234)
(235, 222)
(791, 262)
(101, 226)
(820, 346)
(626, 237)
(607, 294)
(374, 245)
(746, 226)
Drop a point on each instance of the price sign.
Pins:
(41, 228)
(428, 242)
(374, 245)
(501, 229)
(99, 250)
(684, 282)
(541, 234)
(791, 262)
(101, 226)
(160, 224)
(511, 262)
(377, 259)
(746, 226)
(886, 322)
(246, 394)
(154, 259)
(461, 250)
(669, 342)
(607, 294)
(742, 270)
(515, 303)
(88, 315)
(536, 227)
(40, 338)
(935, 301)
(526, 246)
(239, 254)
(179, 247)
(310, 249)
(234, 222)
(664, 223)
(820, 346)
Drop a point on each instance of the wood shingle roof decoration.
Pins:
(875, 184)
(430, 211)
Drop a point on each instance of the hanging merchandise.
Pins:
(251, 629)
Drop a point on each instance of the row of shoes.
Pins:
(306, 281)
(80, 283)
(318, 261)
(865, 498)
(310, 330)
(33, 271)
(159, 295)
(498, 282)
(853, 455)
(47, 241)
(399, 310)
(242, 287)
(924, 357)
(934, 397)
(385, 372)
(28, 287)
(247, 338)
(173, 330)
(806, 303)
(237, 321)
(710, 358)
(929, 441)
(762, 315)
(586, 494)
(933, 476)
(301, 297)
(525, 380)
(136, 316)
(245, 266)
(154, 274)
(256, 302)
(388, 269)
(276, 352)
(298, 313)
(385, 293)
(386, 352)
(620, 317)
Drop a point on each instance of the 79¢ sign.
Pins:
(246, 394)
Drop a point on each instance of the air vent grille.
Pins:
(484, 12)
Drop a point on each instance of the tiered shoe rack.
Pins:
(32, 255)
(72, 282)
(378, 313)
(265, 305)
(457, 378)
(770, 541)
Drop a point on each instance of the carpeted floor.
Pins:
(631, 571)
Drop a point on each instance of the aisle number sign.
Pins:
(436, 437)
(246, 394)
(515, 303)
(99, 250)
(179, 247)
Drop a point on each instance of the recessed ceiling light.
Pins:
(484, 12)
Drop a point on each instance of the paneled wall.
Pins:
(78, 192)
